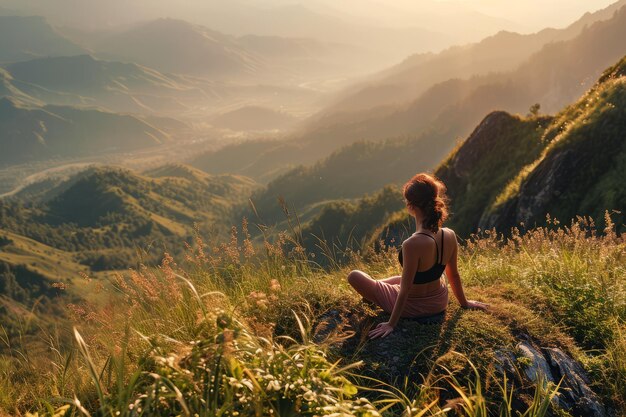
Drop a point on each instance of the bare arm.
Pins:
(409, 268)
(454, 278)
(410, 251)
(452, 272)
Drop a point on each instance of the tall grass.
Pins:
(232, 329)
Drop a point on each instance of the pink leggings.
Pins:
(384, 292)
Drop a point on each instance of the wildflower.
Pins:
(309, 396)
(273, 385)
(275, 285)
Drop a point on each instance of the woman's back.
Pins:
(434, 253)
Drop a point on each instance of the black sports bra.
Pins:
(434, 272)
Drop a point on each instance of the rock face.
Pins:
(493, 155)
(545, 184)
(555, 366)
(540, 193)
(481, 142)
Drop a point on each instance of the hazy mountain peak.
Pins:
(27, 37)
(177, 46)
(7, 103)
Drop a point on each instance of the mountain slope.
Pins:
(53, 236)
(555, 76)
(23, 38)
(32, 132)
(177, 46)
(581, 171)
(81, 79)
(486, 174)
(475, 173)
(572, 164)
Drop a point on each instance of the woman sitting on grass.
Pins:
(421, 290)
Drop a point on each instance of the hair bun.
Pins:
(427, 193)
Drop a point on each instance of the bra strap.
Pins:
(442, 239)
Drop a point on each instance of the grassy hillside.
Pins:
(56, 238)
(233, 331)
(103, 215)
(500, 146)
(37, 284)
(582, 168)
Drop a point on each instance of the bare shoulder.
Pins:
(449, 236)
(449, 232)
(416, 242)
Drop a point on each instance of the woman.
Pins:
(421, 290)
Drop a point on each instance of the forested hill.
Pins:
(101, 220)
(111, 208)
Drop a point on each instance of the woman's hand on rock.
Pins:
(476, 305)
(381, 330)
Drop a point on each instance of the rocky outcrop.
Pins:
(414, 351)
(481, 141)
(555, 366)
(579, 172)
(538, 194)
(493, 155)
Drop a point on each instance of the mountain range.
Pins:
(157, 44)
(501, 52)
(428, 127)
(339, 172)
(566, 165)
(562, 167)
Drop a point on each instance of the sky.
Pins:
(393, 28)
(524, 15)
(535, 14)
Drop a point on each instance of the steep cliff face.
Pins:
(582, 169)
(490, 157)
(514, 170)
